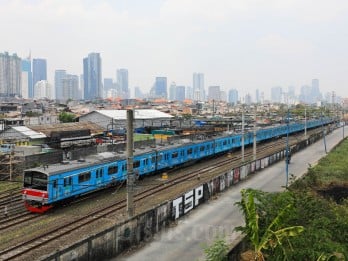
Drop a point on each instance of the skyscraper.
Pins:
(161, 87)
(198, 87)
(27, 78)
(214, 93)
(39, 71)
(233, 96)
(70, 87)
(276, 94)
(10, 75)
(59, 75)
(180, 93)
(92, 76)
(172, 91)
(122, 82)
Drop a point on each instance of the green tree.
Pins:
(273, 236)
(66, 117)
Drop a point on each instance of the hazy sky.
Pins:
(242, 44)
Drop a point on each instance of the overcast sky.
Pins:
(241, 44)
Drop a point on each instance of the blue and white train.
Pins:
(47, 186)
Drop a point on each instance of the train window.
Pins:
(182, 153)
(67, 181)
(112, 169)
(55, 183)
(146, 162)
(166, 156)
(224, 143)
(159, 157)
(153, 159)
(189, 151)
(175, 155)
(39, 181)
(201, 148)
(136, 164)
(84, 177)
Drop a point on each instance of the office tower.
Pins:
(223, 96)
(122, 82)
(10, 75)
(198, 87)
(233, 97)
(214, 93)
(92, 76)
(39, 71)
(81, 88)
(59, 75)
(315, 93)
(160, 88)
(172, 91)
(276, 94)
(180, 93)
(138, 93)
(189, 93)
(70, 87)
(42, 90)
(27, 78)
(257, 96)
(247, 99)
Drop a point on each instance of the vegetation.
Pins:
(66, 117)
(217, 251)
(317, 202)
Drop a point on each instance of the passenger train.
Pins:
(50, 185)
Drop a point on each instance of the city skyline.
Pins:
(244, 45)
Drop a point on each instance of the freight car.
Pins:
(47, 186)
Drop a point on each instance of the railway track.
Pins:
(56, 233)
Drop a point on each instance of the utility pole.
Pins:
(130, 173)
(322, 127)
(287, 152)
(243, 133)
(305, 126)
(254, 143)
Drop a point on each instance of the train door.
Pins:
(55, 189)
(67, 186)
(99, 174)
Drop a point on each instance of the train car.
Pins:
(47, 186)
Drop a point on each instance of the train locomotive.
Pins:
(50, 185)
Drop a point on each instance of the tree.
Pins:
(272, 237)
(66, 117)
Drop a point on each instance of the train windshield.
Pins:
(35, 180)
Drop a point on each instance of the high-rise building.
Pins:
(233, 97)
(108, 84)
(257, 96)
(70, 87)
(10, 75)
(198, 87)
(27, 78)
(92, 76)
(39, 71)
(214, 93)
(189, 93)
(276, 94)
(160, 88)
(180, 93)
(138, 93)
(122, 82)
(42, 90)
(172, 91)
(59, 75)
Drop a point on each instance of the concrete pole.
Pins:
(254, 141)
(130, 173)
(305, 126)
(242, 133)
(287, 161)
(322, 126)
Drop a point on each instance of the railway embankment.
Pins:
(144, 227)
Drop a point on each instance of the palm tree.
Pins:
(273, 235)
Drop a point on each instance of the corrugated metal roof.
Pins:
(29, 133)
(142, 114)
(69, 126)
